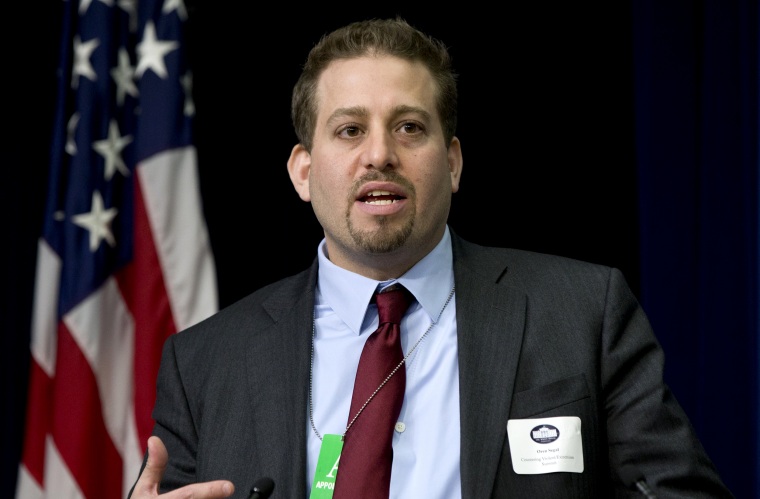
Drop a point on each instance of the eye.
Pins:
(349, 131)
(411, 128)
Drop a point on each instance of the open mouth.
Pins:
(380, 197)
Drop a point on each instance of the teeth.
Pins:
(378, 202)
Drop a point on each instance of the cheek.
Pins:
(436, 178)
(329, 181)
(335, 171)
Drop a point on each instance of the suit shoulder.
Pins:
(525, 260)
(528, 269)
(259, 309)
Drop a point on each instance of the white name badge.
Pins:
(546, 445)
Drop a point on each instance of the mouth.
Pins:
(380, 197)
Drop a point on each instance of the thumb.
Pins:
(147, 485)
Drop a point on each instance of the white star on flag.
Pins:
(187, 86)
(71, 128)
(82, 66)
(178, 5)
(98, 222)
(130, 7)
(123, 75)
(151, 52)
(110, 148)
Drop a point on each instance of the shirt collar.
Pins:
(430, 281)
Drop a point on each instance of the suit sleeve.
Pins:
(649, 434)
(173, 423)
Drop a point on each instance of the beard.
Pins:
(385, 239)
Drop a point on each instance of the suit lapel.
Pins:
(278, 381)
(490, 322)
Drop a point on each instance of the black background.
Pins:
(546, 124)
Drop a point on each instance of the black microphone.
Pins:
(632, 478)
(262, 488)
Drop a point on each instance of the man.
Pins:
(526, 375)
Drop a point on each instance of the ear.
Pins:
(455, 163)
(299, 166)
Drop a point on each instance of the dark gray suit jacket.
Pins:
(538, 335)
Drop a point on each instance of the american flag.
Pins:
(124, 259)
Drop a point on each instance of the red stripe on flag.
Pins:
(144, 292)
(79, 430)
(38, 412)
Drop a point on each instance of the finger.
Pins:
(158, 457)
(218, 489)
(147, 484)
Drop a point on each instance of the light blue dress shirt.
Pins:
(426, 449)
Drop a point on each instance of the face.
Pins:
(380, 175)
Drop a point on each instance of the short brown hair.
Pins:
(393, 37)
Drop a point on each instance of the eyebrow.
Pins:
(363, 112)
(354, 111)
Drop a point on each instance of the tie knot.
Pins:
(391, 305)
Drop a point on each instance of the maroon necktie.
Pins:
(364, 471)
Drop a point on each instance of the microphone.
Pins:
(634, 479)
(262, 488)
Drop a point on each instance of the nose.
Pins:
(379, 151)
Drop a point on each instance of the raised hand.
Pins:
(147, 485)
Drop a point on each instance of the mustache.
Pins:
(381, 176)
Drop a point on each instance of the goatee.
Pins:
(385, 239)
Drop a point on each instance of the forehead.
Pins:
(375, 83)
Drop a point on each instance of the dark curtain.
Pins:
(696, 101)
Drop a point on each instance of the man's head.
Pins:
(376, 159)
(378, 36)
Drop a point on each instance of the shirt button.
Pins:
(400, 427)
